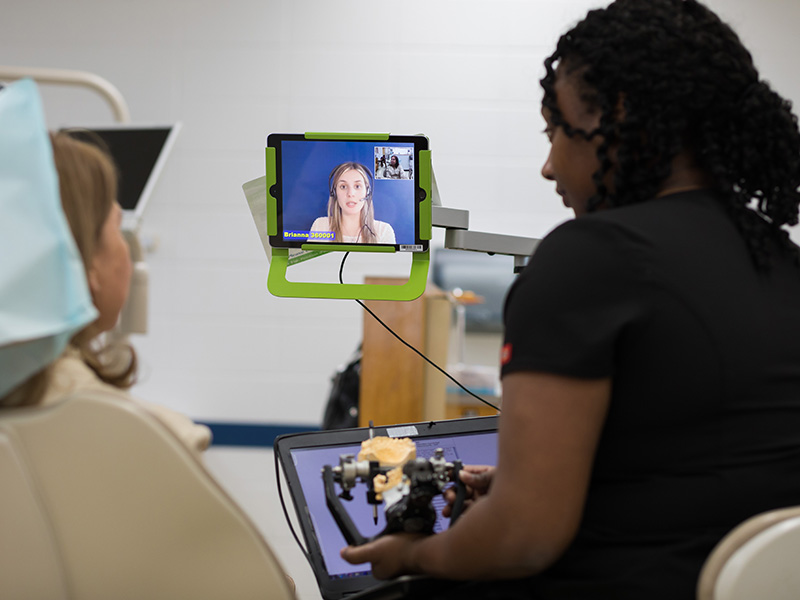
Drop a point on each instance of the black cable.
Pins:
(429, 361)
(286, 512)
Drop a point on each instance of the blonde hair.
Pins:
(87, 182)
(88, 185)
(367, 231)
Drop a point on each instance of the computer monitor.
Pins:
(140, 153)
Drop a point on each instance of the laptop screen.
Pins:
(473, 441)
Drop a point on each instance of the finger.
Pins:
(355, 554)
(470, 478)
(449, 508)
(479, 481)
(477, 468)
(449, 496)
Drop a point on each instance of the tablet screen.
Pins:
(351, 192)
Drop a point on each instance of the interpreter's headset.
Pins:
(356, 167)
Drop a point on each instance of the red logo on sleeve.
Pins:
(505, 354)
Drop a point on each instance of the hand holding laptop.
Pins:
(390, 555)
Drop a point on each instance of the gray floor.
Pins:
(248, 474)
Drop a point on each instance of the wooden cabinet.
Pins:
(397, 385)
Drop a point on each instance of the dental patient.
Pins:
(87, 183)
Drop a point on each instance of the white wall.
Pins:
(464, 72)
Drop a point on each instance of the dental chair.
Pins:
(99, 500)
(757, 559)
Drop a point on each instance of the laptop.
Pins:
(302, 457)
(140, 153)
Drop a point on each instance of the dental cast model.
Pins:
(389, 452)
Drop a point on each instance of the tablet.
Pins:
(359, 190)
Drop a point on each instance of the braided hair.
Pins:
(685, 83)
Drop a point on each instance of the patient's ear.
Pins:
(93, 278)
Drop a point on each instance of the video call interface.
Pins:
(471, 449)
(374, 182)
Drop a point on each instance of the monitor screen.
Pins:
(139, 153)
(479, 447)
(342, 191)
(303, 456)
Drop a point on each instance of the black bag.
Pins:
(341, 412)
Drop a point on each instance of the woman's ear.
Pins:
(93, 279)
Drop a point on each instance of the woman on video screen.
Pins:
(394, 170)
(351, 216)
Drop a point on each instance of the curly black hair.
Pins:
(686, 83)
